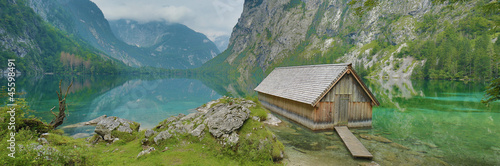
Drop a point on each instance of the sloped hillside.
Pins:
(40, 48)
(84, 20)
(382, 38)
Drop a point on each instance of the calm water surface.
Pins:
(442, 118)
(436, 120)
(145, 101)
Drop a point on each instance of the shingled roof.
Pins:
(305, 84)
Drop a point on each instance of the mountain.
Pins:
(163, 38)
(382, 38)
(38, 47)
(83, 19)
(222, 42)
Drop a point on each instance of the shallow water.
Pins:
(429, 123)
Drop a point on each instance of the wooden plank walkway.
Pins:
(357, 149)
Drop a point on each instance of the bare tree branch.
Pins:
(53, 112)
(59, 119)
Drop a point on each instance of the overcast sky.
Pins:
(210, 17)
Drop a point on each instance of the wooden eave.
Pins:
(348, 71)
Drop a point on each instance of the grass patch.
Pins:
(259, 112)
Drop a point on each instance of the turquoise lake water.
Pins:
(439, 119)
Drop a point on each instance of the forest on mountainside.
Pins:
(43, 48)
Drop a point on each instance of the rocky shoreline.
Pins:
(222, 119)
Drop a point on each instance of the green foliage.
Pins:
(127, 137)
(492, 92)
(269, 35)
(367, 6)
(257, 144)
(20, 21)
(293, 4)
(493, 9)
(35, 124)
(456, 53)
(429, 24)
(62, 150)
(259, 112)
(361, 70)
(21, 118)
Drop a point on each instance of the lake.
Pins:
(436, 120)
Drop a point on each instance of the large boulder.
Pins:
(224, 119)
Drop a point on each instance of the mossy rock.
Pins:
(35, 125)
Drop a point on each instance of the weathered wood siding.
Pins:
(323, 112)
(347, 85)
(359, 108)
(297, 108)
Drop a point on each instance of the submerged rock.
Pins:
(373, 163)
(430, 145)
(365, 136)
(376, 138)
(399, 146)
(332, 147)
(328, 133)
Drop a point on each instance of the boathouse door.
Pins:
(343, 106)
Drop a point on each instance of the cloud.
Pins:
(211, 17)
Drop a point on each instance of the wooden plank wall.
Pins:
(301, 109)
(360, 108)
(323, 112)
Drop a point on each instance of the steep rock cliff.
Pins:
(377, 41)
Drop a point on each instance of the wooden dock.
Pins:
(357, 149)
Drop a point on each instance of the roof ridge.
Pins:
(320, 65)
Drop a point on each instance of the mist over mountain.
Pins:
(222, 42)
(85, 20)
(163, 38)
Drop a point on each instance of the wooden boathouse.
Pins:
(319, 97)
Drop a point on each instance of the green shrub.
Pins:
(259, 112)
